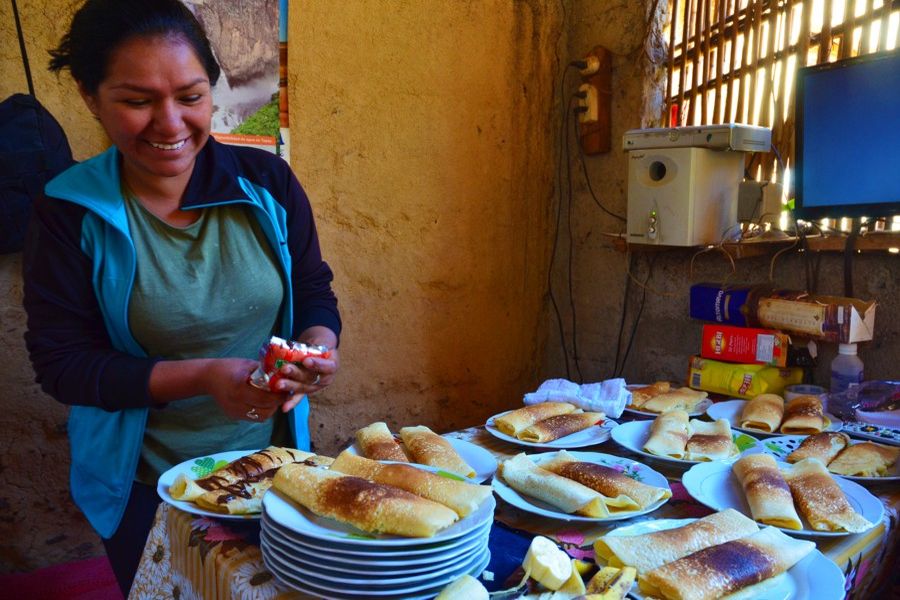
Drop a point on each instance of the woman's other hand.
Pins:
(315, 374)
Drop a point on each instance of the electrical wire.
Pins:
(590, 188)
(571, 253)
(637, 319)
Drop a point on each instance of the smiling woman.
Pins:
(156, 270)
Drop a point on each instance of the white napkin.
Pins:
(609, 396)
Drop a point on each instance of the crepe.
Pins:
(824, 446)
(428, 448)
(560, 426)
(764, 412)
(821, 500)
(726, 568)
(647, 551)
(242, 469)
(562, 493)
(461, 496)
(864, 460)
(513, 422)
(709, 441)
(803, 416)
(377, 442)
(683, 398)
(245, 497)
(366, 505)
(669, 434)
(766, 491)
(641, 395)
(620, 492)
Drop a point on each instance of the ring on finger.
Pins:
(317, 379)
(252, 414)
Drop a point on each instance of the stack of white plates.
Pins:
(329, 559)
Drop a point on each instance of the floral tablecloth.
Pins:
(190, 557)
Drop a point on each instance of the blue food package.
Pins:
(723, 304)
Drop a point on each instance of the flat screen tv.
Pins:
(848, 138)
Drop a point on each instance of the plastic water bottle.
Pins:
(846, 369)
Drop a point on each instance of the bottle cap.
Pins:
(847, 349)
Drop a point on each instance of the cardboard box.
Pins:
(745, 345)
(740, 380)
(829, 318)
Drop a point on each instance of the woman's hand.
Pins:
(315, 374)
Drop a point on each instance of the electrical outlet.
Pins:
(589, 103)
(592, 65)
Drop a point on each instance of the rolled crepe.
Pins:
(461, 496)
(560, 426)
(726, 568)
(709, 441)
(764, 412)
(864, 460)
(376, 442)
(562, 493)
(640, 395)
(824, 446)
(669, 434)
(245, 497)
(244, 468)
(766, 491)
(683, 398)
(803, 416)
(647, 551)
(821, 500)
(620, 492)
(513, 422)
(364, 504)
(428, 448)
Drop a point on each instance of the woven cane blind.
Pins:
(735, 60)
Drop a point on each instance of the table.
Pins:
(191, 557)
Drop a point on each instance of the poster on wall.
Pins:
(246, 37)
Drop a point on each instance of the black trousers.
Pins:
(125, 547)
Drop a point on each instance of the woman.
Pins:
(156, 270)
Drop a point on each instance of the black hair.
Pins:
(99, 27)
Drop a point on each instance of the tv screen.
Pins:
(848, 138)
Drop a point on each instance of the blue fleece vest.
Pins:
(105, 445)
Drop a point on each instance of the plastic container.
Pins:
(846, 369)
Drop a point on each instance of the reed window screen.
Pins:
(734, 61)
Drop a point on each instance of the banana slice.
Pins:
(464, 588)
(574, 585)
(547, 564)
(611, 583)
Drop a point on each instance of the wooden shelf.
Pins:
(871, 242)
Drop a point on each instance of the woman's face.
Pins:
(155, 105)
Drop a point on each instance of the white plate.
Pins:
(475, 456)
(388, 555)
(425, 589)
(294, 517)
(731, 411)
(192, 469)
(634, 434)
(813, 578)
(596, 434)
(309, 567)
(365, 562)
(714, 485)
(781, 446)
(639, 471)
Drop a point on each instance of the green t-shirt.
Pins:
(208, 290)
